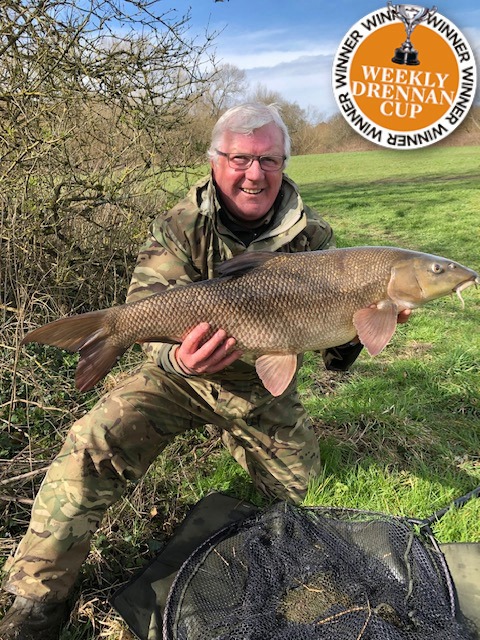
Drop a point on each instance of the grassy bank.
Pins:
(400, 433)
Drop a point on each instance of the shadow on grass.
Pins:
(410, 451)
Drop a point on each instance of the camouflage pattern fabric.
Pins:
(124, 433)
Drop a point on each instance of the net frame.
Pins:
(353, 526)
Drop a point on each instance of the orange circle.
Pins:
(401, 97)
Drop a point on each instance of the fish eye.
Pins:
(437, 268)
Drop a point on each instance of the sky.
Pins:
(288, 45)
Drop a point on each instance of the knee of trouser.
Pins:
(281, 479)
(273, 489)
(110, 442)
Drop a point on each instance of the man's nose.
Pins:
(255, 171)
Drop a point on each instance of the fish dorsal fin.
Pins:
(276, 371)
(376, 325)
(244, 262)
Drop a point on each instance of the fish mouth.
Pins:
(474, 280)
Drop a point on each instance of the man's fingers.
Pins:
(195, 337)
(225, 362)
(403, 316)
(215, 354)
(196, 354)
(217, 341)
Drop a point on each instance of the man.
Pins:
(247, 204)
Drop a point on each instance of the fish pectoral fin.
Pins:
(276, 371)
(376, 325)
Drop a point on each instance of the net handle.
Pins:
(425, 529)
(426, 523)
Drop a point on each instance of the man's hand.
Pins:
(403, 316)
(196, 355)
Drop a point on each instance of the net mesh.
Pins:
(297, 573)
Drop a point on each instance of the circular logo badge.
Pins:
(404, 77)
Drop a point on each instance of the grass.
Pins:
(425, 199)
(400, 433)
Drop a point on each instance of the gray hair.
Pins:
(245, 118)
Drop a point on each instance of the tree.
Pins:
(227, 86)
(293, 115)
(93, 99)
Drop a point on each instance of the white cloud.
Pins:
(266, 59)
(305, 80)
(299, 70)
(472, 34)
(269, 47)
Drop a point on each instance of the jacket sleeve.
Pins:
(163, 262)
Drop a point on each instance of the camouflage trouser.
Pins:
(122, 435)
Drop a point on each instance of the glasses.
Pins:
(243, 161)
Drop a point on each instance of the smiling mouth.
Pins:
(251, 192)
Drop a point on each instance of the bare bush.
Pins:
(95, 103)
(92, 100)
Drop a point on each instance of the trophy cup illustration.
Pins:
(411, 15)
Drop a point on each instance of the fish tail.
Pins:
(88, 334)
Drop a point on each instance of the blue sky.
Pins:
(288, 45)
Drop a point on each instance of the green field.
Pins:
(399, 433)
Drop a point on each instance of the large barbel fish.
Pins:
(275, 306)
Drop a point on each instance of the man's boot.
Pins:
(30, 620)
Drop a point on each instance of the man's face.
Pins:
(250, 193)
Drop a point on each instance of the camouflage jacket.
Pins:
(188, 242)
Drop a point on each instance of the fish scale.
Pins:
(275, 306)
